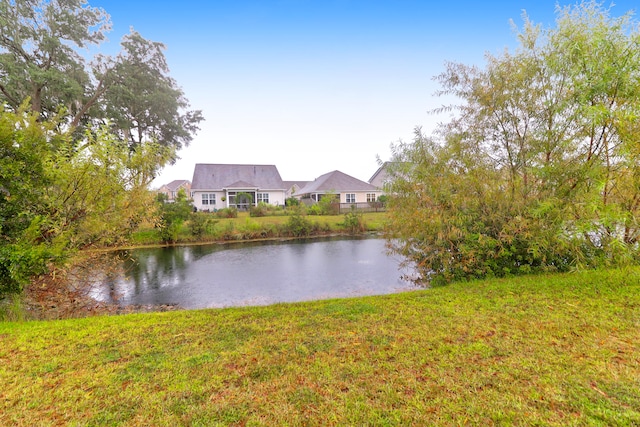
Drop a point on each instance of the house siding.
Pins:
(197, 200)
(361, 196)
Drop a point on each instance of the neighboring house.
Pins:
(381, 178)
(349, 190)
(171, 189)
(217, 186)
(293, 187)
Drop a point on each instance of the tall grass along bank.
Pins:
(555, 350)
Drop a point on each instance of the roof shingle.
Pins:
(220, 176)
(336, 181)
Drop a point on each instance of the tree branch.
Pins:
(10, 98)
(100, 90)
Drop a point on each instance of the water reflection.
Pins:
(252, 274)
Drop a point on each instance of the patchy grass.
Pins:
(556, 350)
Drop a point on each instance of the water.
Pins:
(253, 274)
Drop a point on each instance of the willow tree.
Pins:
(538, 169)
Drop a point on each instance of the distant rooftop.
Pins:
(221, 176)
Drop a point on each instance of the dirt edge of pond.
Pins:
(51, 297)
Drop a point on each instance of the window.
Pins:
(263, 197)
(208, 199)
(351, 197)
(371, 197)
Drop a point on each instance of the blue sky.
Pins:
(316, 85)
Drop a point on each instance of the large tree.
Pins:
(538, 170)
(56, 198)
(43, 44)
(79, 142)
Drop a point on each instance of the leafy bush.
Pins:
(329, 204)
(297, 225)
(173, 215)
(354, 222)
(265, 209)
(227, 213)
(200, 223)
(314, 210)
(515, 183)
(292, 201)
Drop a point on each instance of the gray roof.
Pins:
(176, 184)
(220, 176)
(300, 184)
(380, 170)
(338, 182)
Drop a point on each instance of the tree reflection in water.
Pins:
(218, 275)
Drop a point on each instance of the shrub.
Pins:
(292, 201)
(264, 209)
(227, 213)
(314, 210)
(298, 225)
(354, 222)
(200, 223)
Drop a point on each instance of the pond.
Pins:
(224, 275)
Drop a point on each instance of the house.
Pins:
(293, 187)
(381, 177)
(349, 190)
(217, 186)
(171, 189)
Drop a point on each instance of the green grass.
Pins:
(556, 350)
(245, 227)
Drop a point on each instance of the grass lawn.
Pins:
(245, 227)
(556, 350)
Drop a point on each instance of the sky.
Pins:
(314, 86)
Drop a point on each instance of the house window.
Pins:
(351, 198)
(371, 197)
(208, 199)
(263, 197)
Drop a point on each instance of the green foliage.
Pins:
(98, 193)
(231, 212)
(314, 210)
(264, 209)
(42, 49)
(74, 170)
(12, 308)
(298, 225)
(173, 215)
(201, 224)
(28, 240)
(292, 201)
(354, 222)
(538, 170)
(58, 195)
(329, 204)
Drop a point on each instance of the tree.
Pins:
(79, 142)
(41, 46)
(98, 192)
(538, 170)
(56, 197)
(39, 59)
(24, 152)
